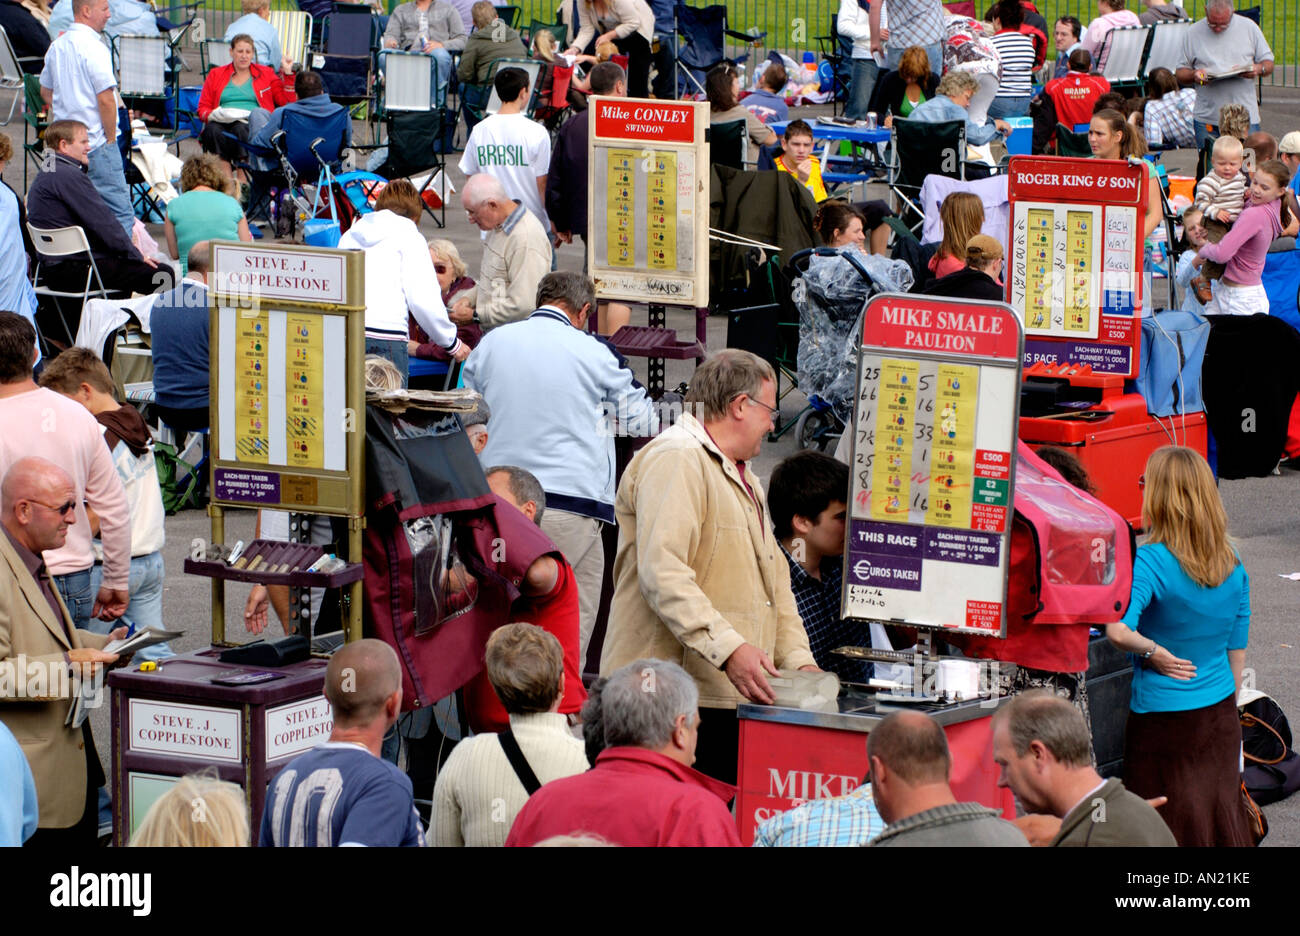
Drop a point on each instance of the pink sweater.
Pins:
(1244, 247)
(49, 425)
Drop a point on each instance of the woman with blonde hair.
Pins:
(454, 284)
(962, 214)
(198, 811)
(206, 210)
(1187, 626)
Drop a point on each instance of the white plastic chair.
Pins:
(67, 243)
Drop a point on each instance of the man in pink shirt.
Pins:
(1113, 13)
(37, 421)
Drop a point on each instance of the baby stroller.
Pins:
(830, 291)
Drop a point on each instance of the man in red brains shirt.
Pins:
(1069, 99)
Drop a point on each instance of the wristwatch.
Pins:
(1149, 653)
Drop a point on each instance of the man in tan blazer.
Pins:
(43, 657)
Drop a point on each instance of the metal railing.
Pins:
(792, 26)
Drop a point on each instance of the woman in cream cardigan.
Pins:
(628, 24)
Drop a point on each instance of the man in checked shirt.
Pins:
(808, 500)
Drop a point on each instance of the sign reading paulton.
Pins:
(1062, 179)
(653, 121)
(946, 326)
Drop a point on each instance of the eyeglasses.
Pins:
(772, 411)
(440, 268)
(69, 507)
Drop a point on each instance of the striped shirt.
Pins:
(848, 821)
(1016, 51)
(1168, 120)
(1215, 193)
(914, 22)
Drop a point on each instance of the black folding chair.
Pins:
(413, 141)
(510, 15)
(703, 32)
(1069, 143)
(920, 149)
(836, 50)
(727, 143)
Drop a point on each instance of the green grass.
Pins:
(793, 25)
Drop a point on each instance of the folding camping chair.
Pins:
(510, 15)
(1166, 48)
(213, 54)
(143, 75)
(1069, 143)
(294, 28)
(920, 149)
(407, 84)
(559, 30)
(1124, 50)
(703, 32)
(534, 69)
(11, 74)
(729, 143)
(302, 147)
(414, 138)
(835, 50)
(35, 119)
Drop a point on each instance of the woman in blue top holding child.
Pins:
(1187, 624)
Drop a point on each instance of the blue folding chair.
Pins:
(703, 32)
(303, 146)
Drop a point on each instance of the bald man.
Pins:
(516, 255)
(43, 656)
(341, 792)
(910, 765)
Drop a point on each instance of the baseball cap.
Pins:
(981, 247)
(478, 416)
(1290, 144)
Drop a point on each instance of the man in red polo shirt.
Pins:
(552, 606)
(642, 791)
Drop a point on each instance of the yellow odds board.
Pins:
(1038, 270)
(661, 211)
(304, 381)
(621, 211)
(891, 486)
(952, 458)
(251, 386)
(1078, 257)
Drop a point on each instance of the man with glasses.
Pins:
(699, 577)
(36, 421)
(42, 653)
(1222, 57)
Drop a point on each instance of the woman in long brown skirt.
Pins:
(1187, 626)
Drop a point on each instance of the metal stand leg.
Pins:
(299, 598)
(655, 365)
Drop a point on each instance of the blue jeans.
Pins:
(78, 592)
(395, 351)
(105, 171)
(1205, 131)
(145, 609)
(78, 596)
(863, 81)
(1004, 107)
(894, 55)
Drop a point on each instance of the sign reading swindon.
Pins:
(934, 435)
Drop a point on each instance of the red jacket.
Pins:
(270, 87)
(632, 797)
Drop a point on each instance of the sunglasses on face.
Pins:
(440, 268)
(62, 510)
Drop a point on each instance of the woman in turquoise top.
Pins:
(204, 212)
(1186, 626)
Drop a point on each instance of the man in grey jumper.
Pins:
(910, 765)
(432, 27)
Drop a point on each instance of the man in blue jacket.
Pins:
(558, 396)
(313, 103)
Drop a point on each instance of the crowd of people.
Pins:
(720, 583)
